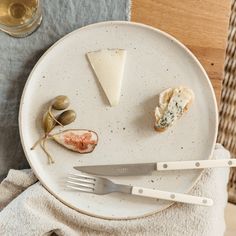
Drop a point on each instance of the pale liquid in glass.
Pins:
(15, 14)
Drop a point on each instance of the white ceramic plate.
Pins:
(155, 61)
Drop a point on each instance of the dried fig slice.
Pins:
(77, 140)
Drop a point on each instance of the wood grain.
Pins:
(230, 212)
(202, 25)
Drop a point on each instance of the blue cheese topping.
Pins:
(172, 104)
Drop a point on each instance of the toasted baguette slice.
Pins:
(173, 103)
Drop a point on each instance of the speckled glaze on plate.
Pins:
(155, 61)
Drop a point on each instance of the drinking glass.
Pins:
(20, 18)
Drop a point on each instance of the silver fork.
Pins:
(99, 185)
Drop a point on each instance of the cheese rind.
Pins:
(108, 65)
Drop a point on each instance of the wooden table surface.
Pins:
(202, 25)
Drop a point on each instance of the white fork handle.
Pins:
(200, 164)
(176, 197)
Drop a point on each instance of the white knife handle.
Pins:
(199, 164)
(176, 197)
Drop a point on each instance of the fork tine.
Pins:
(91, 186)
(80, 180)
(84, 176)
(80, 189)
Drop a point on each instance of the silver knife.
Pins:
(147, 168)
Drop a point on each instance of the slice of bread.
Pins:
(173, 103)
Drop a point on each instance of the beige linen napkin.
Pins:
(27, 208)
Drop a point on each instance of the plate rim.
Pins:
(167, 35)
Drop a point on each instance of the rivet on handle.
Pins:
(165, 166)
(140, 190)
(197, 164)
(230, 163)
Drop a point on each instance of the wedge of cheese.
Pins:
(108, 65)
(173, 103)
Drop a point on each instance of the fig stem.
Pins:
(53, 117)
